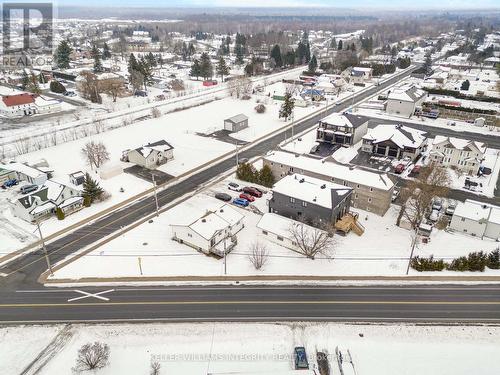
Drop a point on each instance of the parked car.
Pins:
(234, 186)
(28, 189)
(240, 202)
(437, 203)
(140, 93)
(223, 197)
(416, 170)
(10, 183)
(252, 191)
(452, 205)
(395, 194)
(434, 216)
(248, 197)
(300, 358)
(242, 160)
(399, 168)
(69, 93)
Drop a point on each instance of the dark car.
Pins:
(28, 189)
(300, 358)
(223, 197)
(10, 183)
(252, 191)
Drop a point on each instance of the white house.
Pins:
(26, 173)
(44, 201)
(395, 141)
(278, 229)
(17, 105)
(151, 155)
(461, 154)
(403, 101)
(477, 219)
(211, 231)
(359, 75)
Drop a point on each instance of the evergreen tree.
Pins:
(286, 109)
(91, 189)
(25, 82)
(276, 56)
(266, 177)
(96, 55)
(313, 64)
(41, 78)
(62, 55)
(60, 214)
(146, 71)
(494, 260)
(340, 46)
(239, 50)
(465, 85)
(222, 69)
(151, 59)
(195, 69)
(246, 172)
(333, 44)
(207, 70)
(427, 66)
(57, 87)
(106, 52)
(33, 84)
(132, 64)
(308, 52)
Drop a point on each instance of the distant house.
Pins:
(360, 75)
(43, 202)
(212, 231)
(17, 105)
(344, 129)
(461, 154)
(6, 174)
(27, 173)
(395, 141)
(236, 123)
(279, 229)
(151, 155)
(405, 100)
(312, 200)
(477, 219)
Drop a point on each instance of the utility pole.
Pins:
(237, 154)
(225, 262)
(414, 243)
(293, 116)
(156, 196)
(49, 266)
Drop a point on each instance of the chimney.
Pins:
(301, 180)
(323, 186)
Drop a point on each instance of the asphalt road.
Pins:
(23, 299)
(449, 304)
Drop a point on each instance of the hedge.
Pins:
(459, 95)
(475, 261)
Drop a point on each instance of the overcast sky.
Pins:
(377, 4)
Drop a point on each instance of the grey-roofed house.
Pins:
(43, 202)
(310, 199)
(343, 129)
(236, 123)
(151, 155)
(405, 100)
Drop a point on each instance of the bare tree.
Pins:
(92, 357)
(155, 368)
(95, 154)
(155, 112)
(432, 181)
(258, 255)
(311, 241)
(89, 86)
(239, 87)
(113, 88)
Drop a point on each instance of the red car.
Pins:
(415, 170)
(252, 191)
(399, 168)
(248, 197)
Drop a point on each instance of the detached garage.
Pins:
(236, 123)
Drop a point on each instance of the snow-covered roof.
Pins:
(237, 118)
(23, 168)
(478, 211)
(409, 93)
(159, 146)
(402, 136)
(351, 174)
(312, 190)
(344, 119)
(459, 143)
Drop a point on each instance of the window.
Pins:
(357, 186)
(369, 200)
(292, 200)
(371, 189)
(279, 238)
(463, 219)
(190, 235)
(304, 204)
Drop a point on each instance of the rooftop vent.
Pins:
(323, 186)
(203, 220)
(314, 200)
(301, 180)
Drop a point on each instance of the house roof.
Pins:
(473, 210)
(281, 225)
(24, 169)
(19, 99)
(214, 221)
(402, 136)
(159, 146)
(459, 143)
(312, 190)
(407, 94)
(352, 174)
(237, 118)
(345, 119)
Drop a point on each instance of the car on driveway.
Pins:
(416, 170)
(395, 194)
(452, 205)
(248, 197)
(234, 186)
(252, 191)
(240, 202)
(434, 216)
(300, 358)
(10, 183)
(399, 168)
(437, 204)
(223, 197)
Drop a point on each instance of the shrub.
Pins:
(57, 87)
(427, 264)
(494, 259)
(60, 214)
(260, 108)
(92, 357)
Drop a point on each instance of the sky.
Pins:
(372, 4)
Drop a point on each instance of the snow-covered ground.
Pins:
(262, 348)
(383, 250)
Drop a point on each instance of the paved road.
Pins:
(450, 304)
(23, 299)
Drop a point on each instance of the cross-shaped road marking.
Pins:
(88, 295)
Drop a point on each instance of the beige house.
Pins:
(151, 155)
(462, 154)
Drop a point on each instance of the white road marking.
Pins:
(88, 295)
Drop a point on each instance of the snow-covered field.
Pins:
(262, 348)
(383, 250)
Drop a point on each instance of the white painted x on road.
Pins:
(94, 295)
